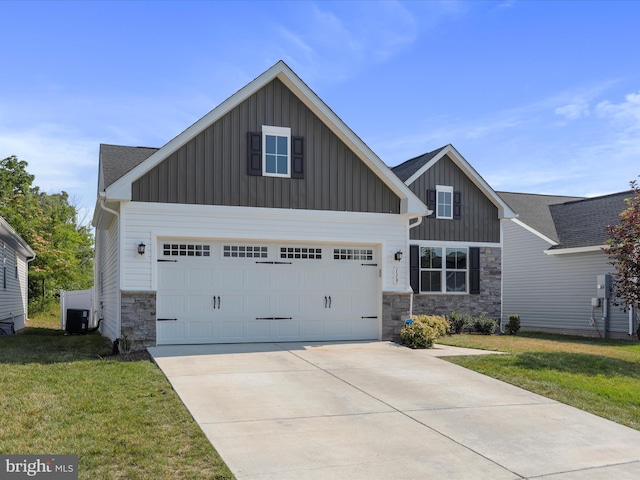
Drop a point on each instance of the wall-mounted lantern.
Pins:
(141, 248)
(398, 255)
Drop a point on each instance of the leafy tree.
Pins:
(48, 223)
(624, 252)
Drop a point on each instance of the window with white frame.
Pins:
(444, 201)
(443, 269)
(276, 151)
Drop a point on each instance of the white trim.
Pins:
(435, 243)
(444, 189)
(503, 209)
(277, 132)
(534, 231)
(410, 203)
(562, 251)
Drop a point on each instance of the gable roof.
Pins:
(15, 241)
(533, 210)
(570, 222)
(414, 168)
(120, 189)
(117, 160)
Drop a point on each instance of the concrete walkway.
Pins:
(376, 410)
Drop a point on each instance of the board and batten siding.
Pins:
(147, 222)
(552, 291)
(211, 169)
(106, 282)
(478, 221)
(13, 298)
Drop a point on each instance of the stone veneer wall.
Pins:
(395, 310)
(396, 306)
(138, 318)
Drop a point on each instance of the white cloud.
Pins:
(574, 111)
(625, 114)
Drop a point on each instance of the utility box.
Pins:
(603, 286)
(77, 321)
(595, 302)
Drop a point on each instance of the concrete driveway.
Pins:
(376, 410)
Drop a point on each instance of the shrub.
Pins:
(417, 335)
(437, 322)
(513, 325)
(484, 325)
(457, 321)
(424, 331)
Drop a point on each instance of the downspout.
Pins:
(103, 196)
(412, 225)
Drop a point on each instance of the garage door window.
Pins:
(301, 253)
(352, 254)
(185, 250)
(244, 251)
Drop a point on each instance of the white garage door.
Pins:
(229, 292)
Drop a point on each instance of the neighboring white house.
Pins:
(552, 260)
(266, 220)
(15, 255)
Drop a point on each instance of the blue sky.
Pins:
(539, 96)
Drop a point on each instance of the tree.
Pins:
(48, 223)
(624, 252)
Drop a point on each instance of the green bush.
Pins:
(424, 331)
(484, 325)
(457, 321)
(437, 322)
(513, 325)
(417, 335)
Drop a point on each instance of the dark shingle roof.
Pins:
(408, 168)
(583, 223)
(572, 222)
(533, 209)
(117, 160)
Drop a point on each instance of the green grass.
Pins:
(595, 375)
(60, 395)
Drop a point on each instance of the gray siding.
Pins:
(212, 168)
(107, 289)
(479, 220)
(13, 298)
(552, 291)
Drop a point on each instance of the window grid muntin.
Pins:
(444, 202)
(303, 253)
(452, 270)
(276, 151)
(186, 250)
(245, 251)
(359, 254)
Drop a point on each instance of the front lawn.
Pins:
(598, 376)
(60, 395)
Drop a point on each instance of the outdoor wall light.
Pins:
(398, 255)
(141, 248)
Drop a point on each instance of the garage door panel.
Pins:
(222, 299)
(200, 330)
(200, 303)
(171, 303)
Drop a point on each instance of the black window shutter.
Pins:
(414, 267)
(297, 157)
(474, 273)
(431, 202)
(457, 205)
(254, 149)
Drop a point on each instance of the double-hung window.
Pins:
(444, 201)
(276, 151)
(443, 270)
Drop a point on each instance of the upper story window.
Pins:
(444, 201)
(276, 151)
